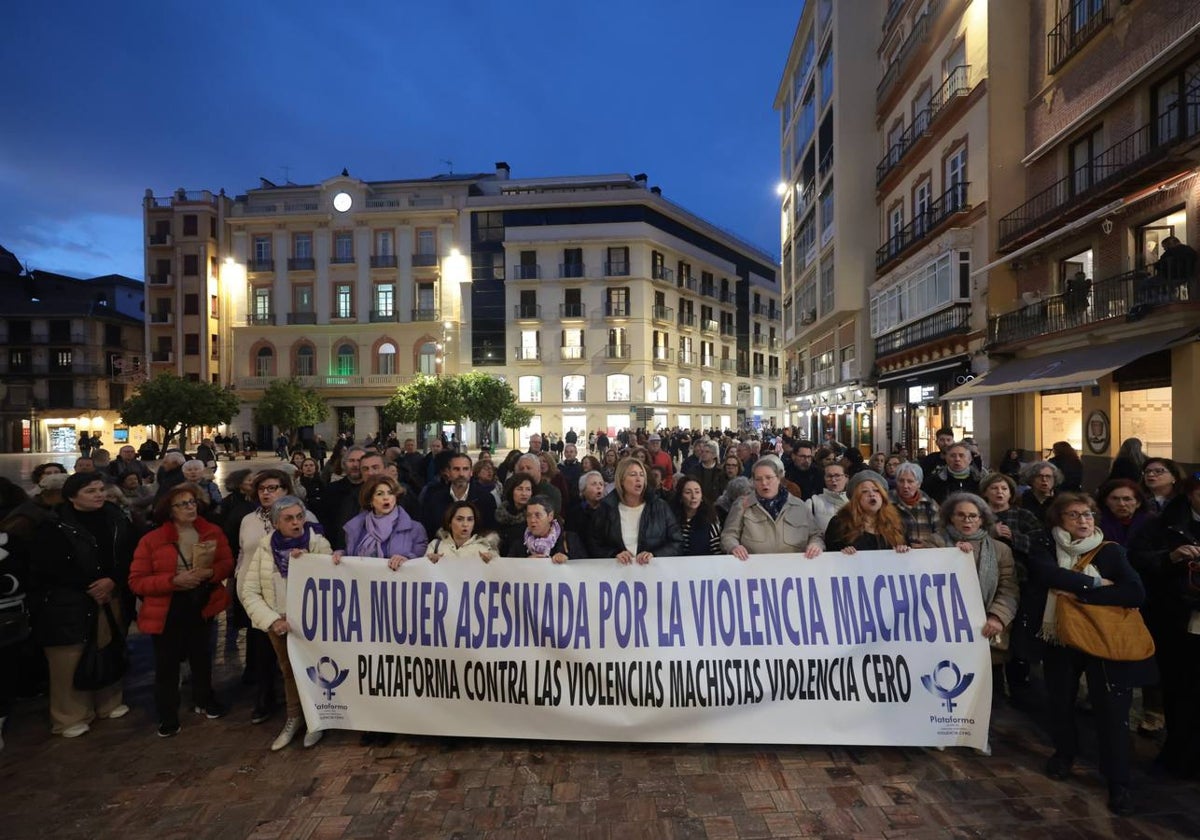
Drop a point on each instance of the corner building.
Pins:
(1092, 333)
(826, 135)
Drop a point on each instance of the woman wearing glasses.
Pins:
(1160, 477)
(179, 599)
(1104, 577)
(966, 521)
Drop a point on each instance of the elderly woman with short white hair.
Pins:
(772, 521)
(197, 473)
(918, 510)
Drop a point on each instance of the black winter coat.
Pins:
(1126, 591)
(67, 562)
(658, 532)
(1168, 602)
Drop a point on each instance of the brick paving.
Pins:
(217, 779)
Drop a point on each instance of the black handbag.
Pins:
(100, 667)
(14, 620)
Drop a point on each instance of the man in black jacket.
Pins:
(457, 487)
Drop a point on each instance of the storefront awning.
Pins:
(1073, 368)
(929, 372)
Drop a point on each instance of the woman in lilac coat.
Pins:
(382, 529)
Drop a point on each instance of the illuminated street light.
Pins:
(781, 188)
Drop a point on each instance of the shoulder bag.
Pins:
(1107, 632)
(100, 667)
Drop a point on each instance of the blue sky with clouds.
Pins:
(105, 100)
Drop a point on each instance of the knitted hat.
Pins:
(866, 475)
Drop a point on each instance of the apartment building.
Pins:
(72, 350)
(1092, 328)
(608, 306)
(951, 80)
(827, 193)
(601, 302)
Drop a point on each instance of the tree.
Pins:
(425, 400)
(175, 404)
(289, 405)
(485, 397)
(516, 416)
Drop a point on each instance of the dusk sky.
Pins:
(105, 100)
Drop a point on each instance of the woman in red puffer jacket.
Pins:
(180, 597)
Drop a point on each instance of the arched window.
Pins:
(618, 387)
(264, 362)
(574, 388)
(529, 389)
(706, 391)
(685, 390)
(306, 361)
(657, 392)
(427, 359)
(346, 360)
(387, 358)
(726, 394)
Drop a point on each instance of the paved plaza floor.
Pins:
(218, 779)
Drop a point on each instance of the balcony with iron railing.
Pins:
(662, 355)
(616, 351)
(957, 85)
(424, 260)
(527, 272)
(954, 320)
(426, 314)
(162, 356)
(1083, 20)
(759, 369)
(527, 312)
(728, 366)
(162, 318)
(728, 331)
(571, 270)
(616, 309)
(826, 164)
(688, 358)
(774, 344)
(527, 354)
(158, 239)
(687, 320)
(616, 268)
(661, 272)
(304, 318)
(383, 261)
(691, 284)
(260, 266)
(301, 264)
(924, 226)
(379, 316)
(261, 319)
(663, 314)
(572, 352)
(758, 340)
(573, 311)
(916, 38)
(164, 279)
(342, 259)
(1121, 297)
(1144, 154)
(709, 326)
(708, 362)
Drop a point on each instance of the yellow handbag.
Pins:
(1115, 633)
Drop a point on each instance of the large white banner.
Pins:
(874, 648)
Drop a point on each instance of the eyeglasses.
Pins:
(968, 517)
(1154, 471)
(270, 488)
(1078, 514)
(184, 503)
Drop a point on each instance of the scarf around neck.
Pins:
(542, 546)
(985, 560)
(774, 506)
(1067, 551)
(281, 546)
(377, 530)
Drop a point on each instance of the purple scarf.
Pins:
(542, 546)
(281, 546)
(377, 530)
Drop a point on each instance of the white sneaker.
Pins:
(75, 730)
(118, 712)
(311, 739)
(285, 736)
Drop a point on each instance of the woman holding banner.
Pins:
(545, 534)
(868, 521)
(382, 528)
(459, 538)
(697, 518)
(772, 521)
(262, 586)
(633, 525)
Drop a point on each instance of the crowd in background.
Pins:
(158, 539)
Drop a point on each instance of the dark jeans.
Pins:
(185, 636)
(1110, 703)
(263, 666)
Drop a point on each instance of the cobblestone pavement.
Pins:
(217, 779)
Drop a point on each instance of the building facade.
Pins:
(1092, 334)
(827, 192)
(73, 350)
(602, 303)
(951, 72)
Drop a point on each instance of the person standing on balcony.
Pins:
(1177, 265)
(1076, 298)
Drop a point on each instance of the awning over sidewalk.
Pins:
(1073, 368)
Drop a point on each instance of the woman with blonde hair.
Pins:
(634, 525)
(868, 521)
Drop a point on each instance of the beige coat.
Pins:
(256, 583)
(750, 526)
